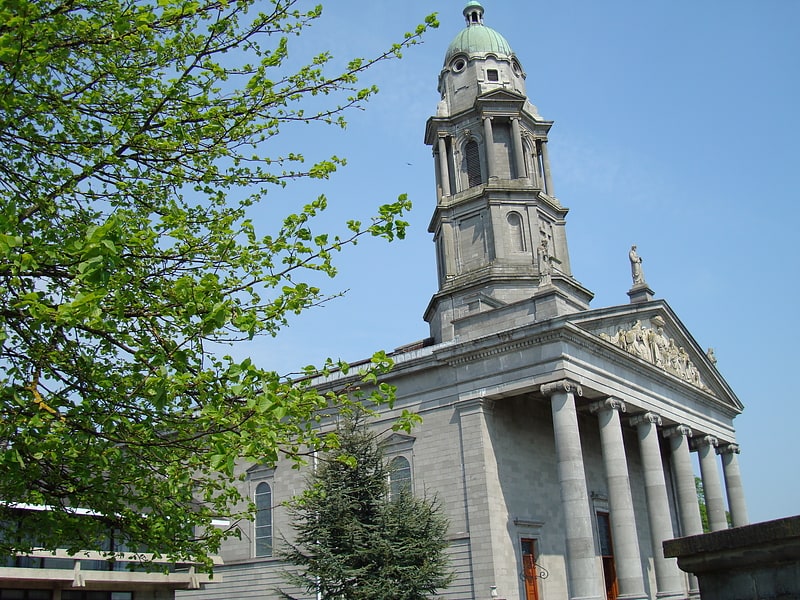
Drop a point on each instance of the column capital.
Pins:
(648, 417)
(608, 404)
(442, 134)
(728, 448)
(704, 440)
(562, 386)
(677, 431)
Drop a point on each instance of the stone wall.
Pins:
(759, 561)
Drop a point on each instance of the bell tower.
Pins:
(499, 231)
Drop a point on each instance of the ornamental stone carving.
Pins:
(608, 404)
(728, 449)
(655, 347)
(677, 431)
(560, 387)
(636, 267)
(649, 418)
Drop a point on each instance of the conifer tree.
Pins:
(354, 540)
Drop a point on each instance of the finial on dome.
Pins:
(473, 13)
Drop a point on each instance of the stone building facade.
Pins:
(559, 438)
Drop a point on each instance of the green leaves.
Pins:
(135, 138)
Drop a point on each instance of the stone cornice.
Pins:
(501, 348)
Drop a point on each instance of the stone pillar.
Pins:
(669, 580)
(627, 557)
(481, 493)
(443, 168)
(733, 484)
(489, 141)
(712, 488)
(519, 153)
(548, 181)
(583, 575)
(688, 507)
(534, 174)
(691, 523)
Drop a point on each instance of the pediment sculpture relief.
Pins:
(655, 347)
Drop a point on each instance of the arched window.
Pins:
(473, 160)
(263, 525)
(516, 233)
(399, 476)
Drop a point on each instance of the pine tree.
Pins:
(354, 540)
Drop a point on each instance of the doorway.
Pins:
(529, 573)
(607, 555)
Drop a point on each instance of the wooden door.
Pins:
(607, 552)
(529, 569)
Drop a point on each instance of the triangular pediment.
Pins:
(397, 442)
(502, 94)
(500, 100)
(651, 332)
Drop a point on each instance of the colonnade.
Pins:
(584, 580)
(540, 172)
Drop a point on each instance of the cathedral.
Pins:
(560, 439)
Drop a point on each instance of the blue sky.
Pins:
(676, 128)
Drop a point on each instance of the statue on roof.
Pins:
(636, 266)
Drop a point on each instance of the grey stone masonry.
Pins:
(759, 561)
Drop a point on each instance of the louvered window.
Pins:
(473, 163)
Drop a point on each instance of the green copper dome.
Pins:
(476, 39)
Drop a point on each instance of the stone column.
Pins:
(548, 181)
(691, 523)
(733, 484)
(534, 174)
(443, 168)
(688, 507)
(627, 557)
(583, 576)
(489, 141)
(669, 580)
(519, 153)
(712, 488)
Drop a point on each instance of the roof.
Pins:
(476, 39)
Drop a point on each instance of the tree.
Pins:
(354, 539)
(135, 138)
(701, 501)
